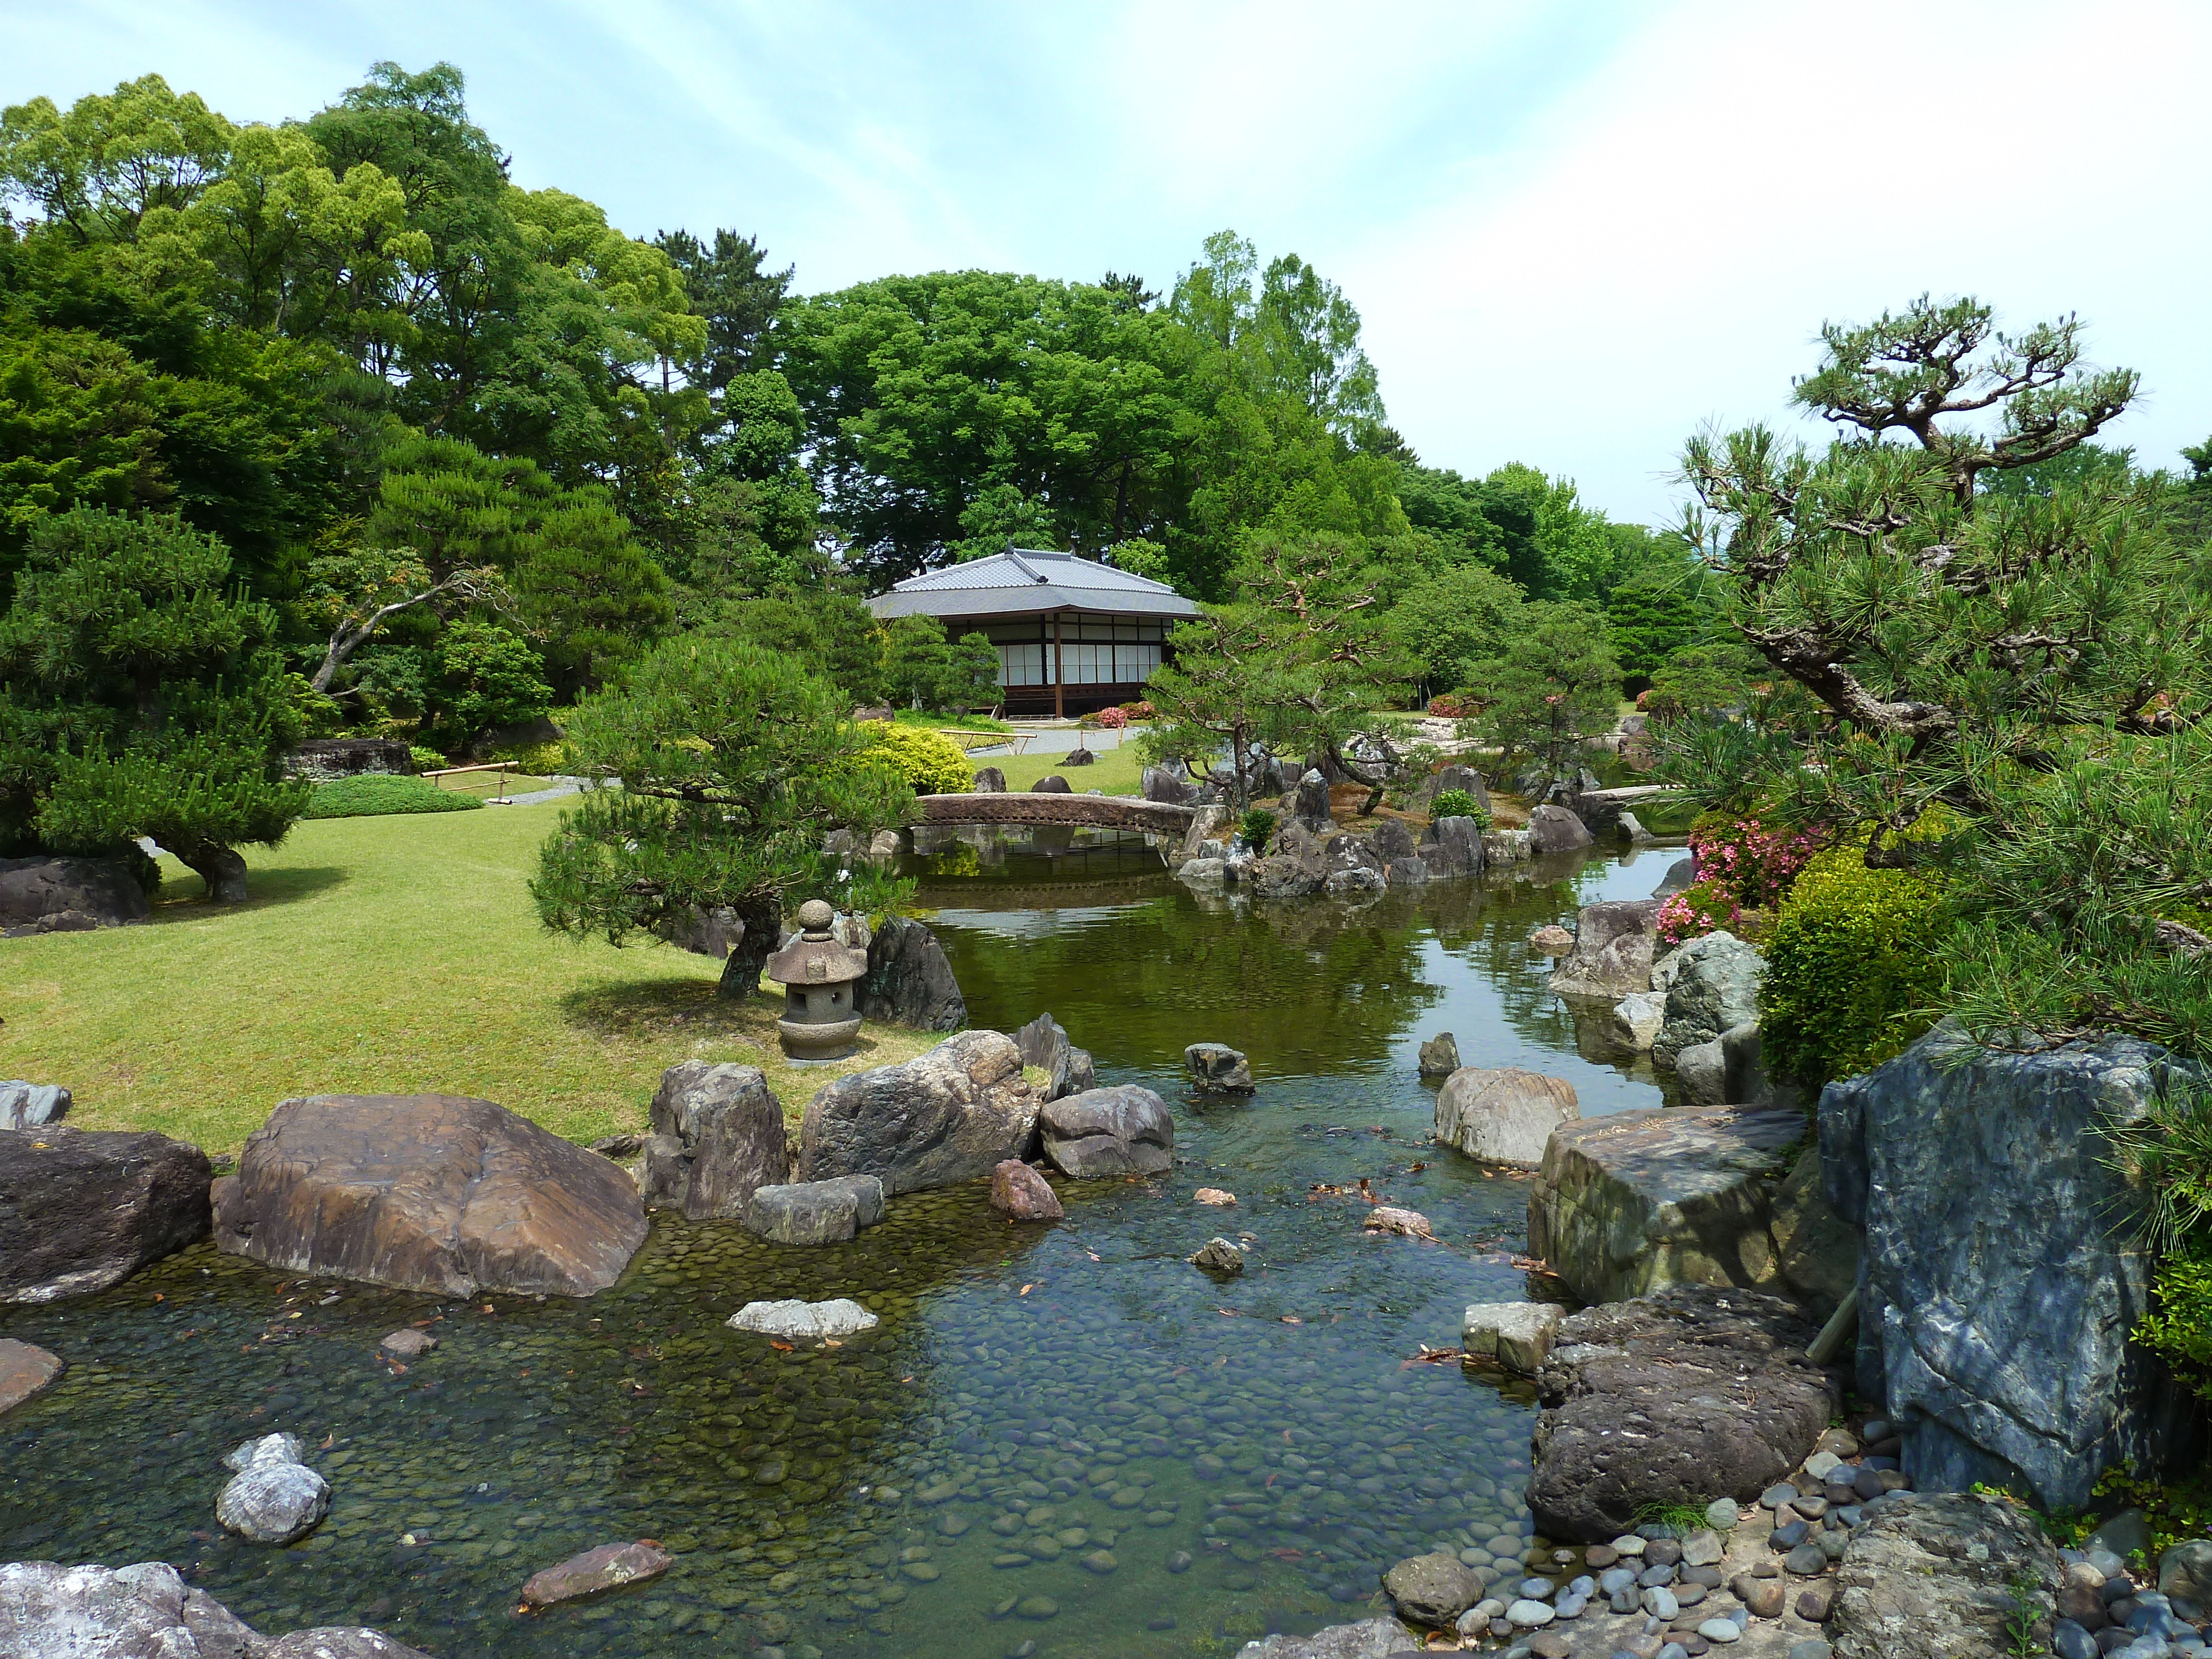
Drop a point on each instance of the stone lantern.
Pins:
(821, 987)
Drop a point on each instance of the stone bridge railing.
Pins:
(1074, 811)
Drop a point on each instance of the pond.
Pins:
(1060, 1441)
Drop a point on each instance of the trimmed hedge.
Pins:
(930, 761)
(380, 794)
(1851, 967)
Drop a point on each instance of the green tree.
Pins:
(2029, 661)
(1654, 613)
(831, 635)
(141, 699)
(1555, 684)
(484, 677)
(923, 666)
(1450, 622)
(726, 284)
(734, 764)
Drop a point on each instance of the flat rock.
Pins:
(1672, 1399)
(909, 981)
(1440, 1055)
(2000, 1346)
(1019, 1192)
(407, 1344)
(1216, 1065)
(1432, 1589)
(1614, 941)
(608, 1567)
(435, 1193)
(26, 1370)
(1517, 1334)
(1627, 1203)
(717, 1134)
(1503, 1116)
(49, 1611)
(1930, 1576)
(1219, 1255)
(1214, 1195)
(952, 1115)
(26, 1105)
(81, 1210)
(1371, 1639)
(815, 1212)
(1555, 830)
(813, 1320)
(1124, 1130)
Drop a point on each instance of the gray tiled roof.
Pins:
(1021, 581)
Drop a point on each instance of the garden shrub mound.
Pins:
(933, 763)
(381, 795)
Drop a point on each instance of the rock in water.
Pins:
(26, 1370)
(1712, 985)
(82, 1210)
(1628, 1203)
(1215, 1195)
(432, 1193)
(990, 780)
(1669, 1399)
(1613, 949)
(36, 892)
(717, 1134)
(812, 1321)
(815, 1212)
(26, 1105)
(1044, 1044)
(1933, 1575)
(608, 1567)
(1703, 1068)
(48, 1611)
(908, 981)
(2002, 1347)
(952, 1114)
(1371, 1639)
(1020, 1193)
(1124, 1130)
(1219, 1256)
(407, 1344)
(1555, 830)
(1432, 1589)
(1388, 1218)
(1680, 875)
(1504, 1115)
(1217, 1066)
(1552, 939)
(1452, 847)
(1633, 1026)
(1517, 1334)
(273, 1497)
(1440, 1055)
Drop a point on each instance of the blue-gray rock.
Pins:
(717, 1134)
(1712, 984)
(1934, 1575)
(1614, 943)
(815, 1212)
(1680, 875)
(26, 1105)
(2002, 1271)
(273, 1497)
(1452, 847)
(1703, 1069)
(2069, 1641)
(909, 981)
(1788, 1536)
(1124, 1130)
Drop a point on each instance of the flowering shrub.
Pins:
(1112, 719)
(1140, 710)
(1742, 866)
(1455, 705)
(1700, 908)
(928, 760)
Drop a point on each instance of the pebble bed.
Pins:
(1060, 1441)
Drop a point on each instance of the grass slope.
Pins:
(378, 955)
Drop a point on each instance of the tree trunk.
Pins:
(223, 870)
(763, 930)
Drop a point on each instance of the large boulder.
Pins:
(1217, 1068)
(1677, 1398)
(1124, 1130)
(49, 1611)
(2004, 1265)
(1452, 847)
(815, 1212)
(1712, 986)
(990, 780)
(325, 760)
(1045, 1045)
(1310, 804)
(1680, 875)
(717, 1135)
(1613, 946)
(45, 895)
(1440, 1055)
(1555, 830)
(1168, 787)
(908, 981)
(1503, 1116)
(1934, 1575)
(1626, 1204)
(81, 1210)
(435, 1193)
(950, 1116)
(1463, 778)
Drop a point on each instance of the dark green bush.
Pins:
(379, 794)
(426, 760)
(1852, 973)
(1458, 804)
(1259, 823)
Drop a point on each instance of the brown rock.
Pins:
(2084, 1606)
(1812, 1605)
(432, 1193)
(1762, 1595)
(1020, 1193)
(608, 1567)
(950, 1116)
(1552, 939)
(25, 1370)
(82, 1210)
(1934, 1575)
(1503, 1114)
(1387, 1218)
(1214, 1195)
(718, 1137)
(407, 1343)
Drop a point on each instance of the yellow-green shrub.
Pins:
(537, 760)
(930, 761)
(1851, 967)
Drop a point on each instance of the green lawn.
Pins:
(1116, 771)
(378, 955)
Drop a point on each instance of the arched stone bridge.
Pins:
(1070, 811)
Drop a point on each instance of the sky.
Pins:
(1576, 232)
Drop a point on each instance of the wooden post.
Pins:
(1059, 672)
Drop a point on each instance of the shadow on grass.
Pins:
(656, 1007)
(183, 897)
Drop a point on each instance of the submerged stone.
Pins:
(813, 1321)
(608, 1567)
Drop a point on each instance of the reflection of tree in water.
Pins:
(1136, 984)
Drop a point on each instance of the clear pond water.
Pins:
(1060, 1441)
